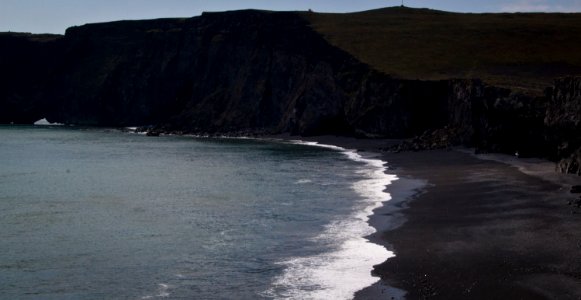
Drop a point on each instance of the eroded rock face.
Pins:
(497, 120)
(570, 164)
(563, 122)
(564, 109)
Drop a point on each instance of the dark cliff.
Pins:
(493, 119)
(255, 72)
(249, 71)
(497, 120)
(26, 61)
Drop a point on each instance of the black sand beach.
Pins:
(469, 227)
(483, 230)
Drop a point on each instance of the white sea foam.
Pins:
(162, 292)
(44, 122)
(303, 181)
(347, 269)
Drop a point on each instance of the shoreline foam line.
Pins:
(346, 270)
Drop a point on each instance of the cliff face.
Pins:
(25, 62)
(497, 120)
(248, 71)
(117, 74)
(266, 72)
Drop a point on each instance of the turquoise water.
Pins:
(96, 214)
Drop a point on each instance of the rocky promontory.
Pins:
(260, 72)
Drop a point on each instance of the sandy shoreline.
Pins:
(483, 229)
(474, 227)
(467, 226)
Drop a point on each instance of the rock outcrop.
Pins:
(497, 120)
(488, 118)
(563, 123)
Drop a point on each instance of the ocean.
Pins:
(105, 214)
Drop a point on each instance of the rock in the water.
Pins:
(152, 133)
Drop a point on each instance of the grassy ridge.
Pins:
(520, 51)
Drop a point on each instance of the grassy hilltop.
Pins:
(522, 51)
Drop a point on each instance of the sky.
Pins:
(54, 16)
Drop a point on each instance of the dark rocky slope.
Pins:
(255, 72)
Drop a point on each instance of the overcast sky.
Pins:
(54, 16)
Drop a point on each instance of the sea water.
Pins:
(102, 214)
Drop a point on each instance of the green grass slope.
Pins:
(523, 51)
